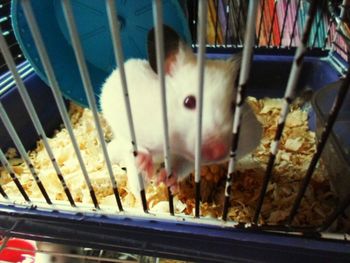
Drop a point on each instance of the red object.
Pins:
(9, 255)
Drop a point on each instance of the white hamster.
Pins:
(181, 68)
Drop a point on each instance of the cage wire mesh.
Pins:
(279, 24)
(289, 190)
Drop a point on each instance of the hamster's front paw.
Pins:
(171, 181)
(144, 163)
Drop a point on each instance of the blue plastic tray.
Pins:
(45, 105)
(91, 19)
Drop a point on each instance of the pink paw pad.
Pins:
(144, 163)
(170, 182)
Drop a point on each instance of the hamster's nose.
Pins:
(215, 150)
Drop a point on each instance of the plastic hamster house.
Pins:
(289, 48)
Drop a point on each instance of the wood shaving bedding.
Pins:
(296, 150)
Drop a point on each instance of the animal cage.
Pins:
(287, 200)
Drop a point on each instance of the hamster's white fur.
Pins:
(181, 81)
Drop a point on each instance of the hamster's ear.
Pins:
(234, 68)
(172, 44)
(234, 63)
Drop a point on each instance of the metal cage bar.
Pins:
(318, 26)
(35, 119)
(284, 23)
(3, 193)
(202, 16)
(337, 104)
(294, 25)
(227, 13)
(216, 22)
(272, 22)
(17, 141)
(13, 176)
(260, 28)
(342, 206)
(340, 19)
(288, 98)
(158, 21)
(240, 97)
(329, 26)
(33, 115)
(68, 13)
(28, 12)
(119, 57)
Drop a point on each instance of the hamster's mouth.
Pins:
(215, 150)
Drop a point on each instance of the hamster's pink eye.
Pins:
(190, 102)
